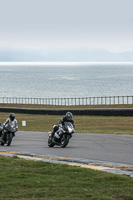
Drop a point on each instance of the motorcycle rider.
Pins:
(67, 118)
(13, 122)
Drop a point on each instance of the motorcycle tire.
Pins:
(65, 141)
(50, 142)
(9, 139)
(2, 143)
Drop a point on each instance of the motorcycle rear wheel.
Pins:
(65, 141)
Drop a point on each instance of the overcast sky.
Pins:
(61, 25)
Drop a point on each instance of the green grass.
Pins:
(84, 124)
(22, 179)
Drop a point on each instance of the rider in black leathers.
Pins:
(66, 118)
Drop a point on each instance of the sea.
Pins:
(66, 80)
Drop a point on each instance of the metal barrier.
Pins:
(88, 112)
(111, 100)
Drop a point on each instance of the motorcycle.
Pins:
(9, 133)
(62, 136)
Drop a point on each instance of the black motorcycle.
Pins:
(9, 133)
(62, 136)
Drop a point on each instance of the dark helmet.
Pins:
(69, 115)
(12, 116)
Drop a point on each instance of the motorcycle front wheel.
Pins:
(9, 139)
(50, 142)
(2, 143)
(65, 141)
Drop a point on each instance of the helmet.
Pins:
(12, 116)
(69, 115)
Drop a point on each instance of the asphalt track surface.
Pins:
(92, 147)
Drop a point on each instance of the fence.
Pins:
(111, 100)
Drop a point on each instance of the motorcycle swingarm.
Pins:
(57, 143)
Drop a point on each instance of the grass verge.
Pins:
(84, 124)
(22, 179)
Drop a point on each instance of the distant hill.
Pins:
(63, 55)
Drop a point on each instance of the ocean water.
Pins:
(66, 81)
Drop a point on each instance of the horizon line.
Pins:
(60, 63)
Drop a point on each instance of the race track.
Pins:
(93, 147)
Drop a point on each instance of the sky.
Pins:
(66, 30)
